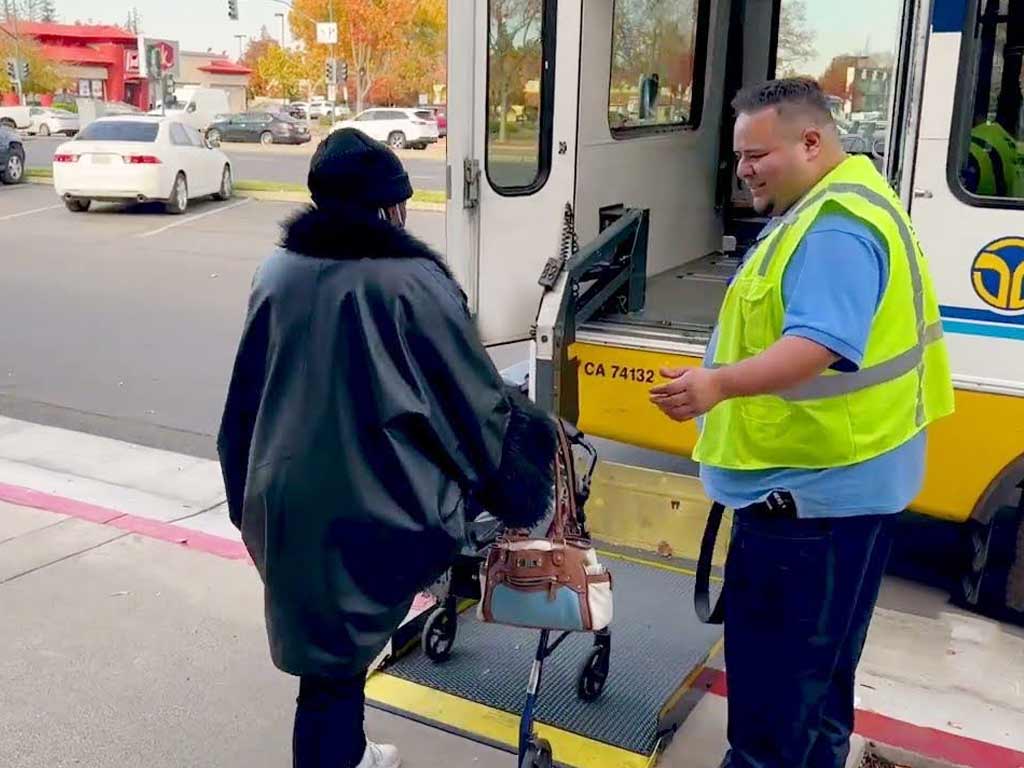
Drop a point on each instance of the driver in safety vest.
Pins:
(993, 162)
(826, 366)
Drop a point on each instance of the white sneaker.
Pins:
(380, 756)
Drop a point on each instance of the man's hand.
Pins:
(691, 392)
(790, 361)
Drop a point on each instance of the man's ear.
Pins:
(812, 141)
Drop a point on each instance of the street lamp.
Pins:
(281, 17)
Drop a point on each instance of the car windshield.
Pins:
(422, 114)
(285, 117)
(119, 130)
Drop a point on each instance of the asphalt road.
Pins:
(124, 321)
(278, 163)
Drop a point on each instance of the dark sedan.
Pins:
(265, 127)
(12, 157)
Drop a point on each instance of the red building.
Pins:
(100, 61)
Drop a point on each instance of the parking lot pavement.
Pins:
(126, 319)
(279, 163)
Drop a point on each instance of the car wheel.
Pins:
(266, 138)
(397, 140)
(77, 205)
(178, 202)
(226, 185)
(44, 130)
(213, 135)
(14, 173)
(6, 122)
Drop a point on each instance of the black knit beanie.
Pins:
(350, 168)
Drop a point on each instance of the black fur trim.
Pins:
(343, 232)
(521, 492)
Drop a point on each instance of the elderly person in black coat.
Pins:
(364, 423)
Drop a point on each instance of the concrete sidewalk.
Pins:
(125, 651)
(133, 635)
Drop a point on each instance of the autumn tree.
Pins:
(424, 60)
(43, 76)
(514, 42)
(281, 70)
(374, 36)
(255, 51)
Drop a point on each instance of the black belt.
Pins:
(778, 504)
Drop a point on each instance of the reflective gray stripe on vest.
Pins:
(832, 386)
(822, 387)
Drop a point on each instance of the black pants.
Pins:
(800, 598)
(329, 723)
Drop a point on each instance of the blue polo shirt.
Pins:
(831, 289)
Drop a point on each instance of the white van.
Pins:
(196, 106)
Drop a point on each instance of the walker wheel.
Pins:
(439, 632)
(594, 673)
(538, 755)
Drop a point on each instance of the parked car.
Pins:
(298, 109)
(47, 120)
(196, 106)
(398, 126)
(265, 127)
(12, 157)
(15, 117)
(139, 159)
(441, 116)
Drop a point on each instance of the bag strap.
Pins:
(702, 588)
(564, 522)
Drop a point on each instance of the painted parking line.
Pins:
(10, 216)
(189, 219)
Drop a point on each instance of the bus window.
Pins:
(520, 71)
(988, 158)
(657, 66)
(850, 49)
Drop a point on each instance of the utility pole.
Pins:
(240, 38)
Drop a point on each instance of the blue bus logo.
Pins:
(998, 274)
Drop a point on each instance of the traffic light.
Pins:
(12, 72)
(24, 71)
(343, 71)
(233, 10)
(329, 72)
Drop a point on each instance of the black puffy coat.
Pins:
(364, 422)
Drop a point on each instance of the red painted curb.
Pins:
(143, 526)
(927, 742)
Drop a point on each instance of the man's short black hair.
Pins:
(787, 95)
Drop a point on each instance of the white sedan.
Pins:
(47, 121)
(139, 159)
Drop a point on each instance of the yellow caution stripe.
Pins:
(494, 725)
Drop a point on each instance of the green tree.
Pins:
(514, 44)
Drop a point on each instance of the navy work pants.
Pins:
(799, 599)
(329, 723)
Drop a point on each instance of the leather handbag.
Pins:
(555, 582)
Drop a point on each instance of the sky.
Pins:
(841, 27)
(845, 27)
(196, 25)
